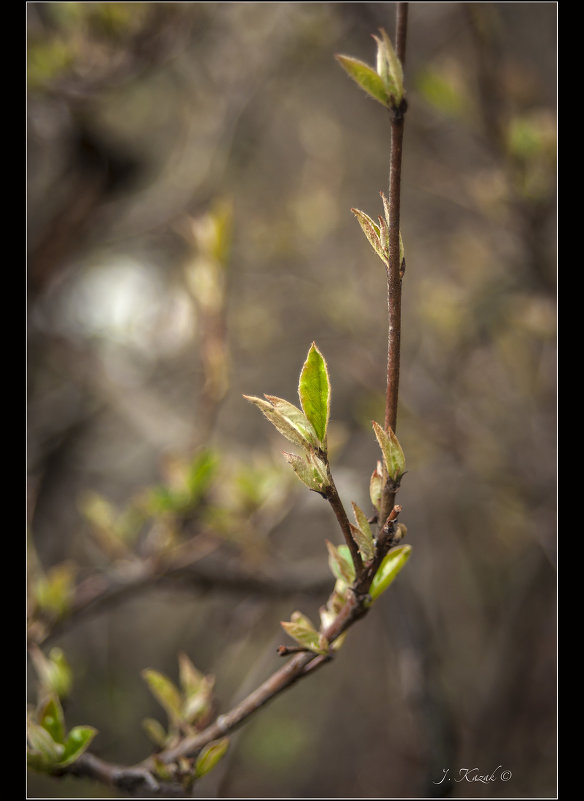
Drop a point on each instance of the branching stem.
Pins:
(333, 498)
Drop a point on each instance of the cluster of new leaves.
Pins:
(189, 708)
(385, 83)
(307, 428)
(50, 747)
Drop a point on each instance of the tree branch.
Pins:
(394, 271)
(143, 775)
(333, 498)
(200, 572)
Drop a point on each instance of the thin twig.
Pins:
(98, 593)
(333, 498)
(394, 274)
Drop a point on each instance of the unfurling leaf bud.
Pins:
(362, 534)
(373, 234)
(389, 68)
(341, 563)
(288, 419)
(388, 570)
(376, 486)
(310, 469)
(210, 756)
(366, 77)
(300, 628)
(393, 455)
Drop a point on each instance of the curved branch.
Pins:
(199, 573)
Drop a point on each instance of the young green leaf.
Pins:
(165, 693)
(365, 546)
(376, 486)
(341, 563)
(328, 614)
(389, 68)
(53, 591)
(310, 470)
(393, 455)
(362, 533)
(293, 424)
(388, 570)
(372, 232)
(296, 418)
(54, 673)
(77, 742)
(314, 390)
(197, 703)
(197, 689)
(300, 628)
(210, 756)
(366, 77)
(51, 718)
(155, 731)
(190, 678)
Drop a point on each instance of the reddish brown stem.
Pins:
(394, 270)
(333, 498)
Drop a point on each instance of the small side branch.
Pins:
(333, 498)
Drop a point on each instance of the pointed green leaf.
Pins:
(310, 470)
(341, 563)
(376, 486)
(393, 455)
(165, 692)
(388, 570)
(329, 613)
(389, 68)
(314, 390)
(54, 591)
(197, 703)
(155, 731)
(372, 232)
(77, 742)
(363, 535)
(51, 718)
(210, 756)
(54, 672)
(300, 628)
(289, 428)
(365, 545)
(190, 678)
(296, 418)
(366, 77)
